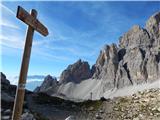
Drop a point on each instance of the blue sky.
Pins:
(76, 30)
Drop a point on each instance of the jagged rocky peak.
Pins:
(107, 62)
(153, 26)
(135, 61)
(4, 79)
(143, 37)
(48, 82)
(139, 54)
(106, 66)
(135, 37)
(107, 53)
(76, 72)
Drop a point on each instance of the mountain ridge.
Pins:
(135, 60)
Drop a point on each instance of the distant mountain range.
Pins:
(32, 81)
(32, 77)
(135, 60)
(33, 84)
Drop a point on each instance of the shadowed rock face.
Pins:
(49, 85)
(76, 72)
(107, 63)
(7, 91)
(153, 28)
(106, 66)
(48, 82)
(37, 106)
(4, 79)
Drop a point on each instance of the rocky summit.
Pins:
(76, 73)
(48, 83)
(135, 60)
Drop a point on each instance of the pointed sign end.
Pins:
(18, 9)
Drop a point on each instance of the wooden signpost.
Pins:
(33, 24)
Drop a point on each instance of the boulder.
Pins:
(6, 117)
(71, 117)
(6, 97)
(27, 116)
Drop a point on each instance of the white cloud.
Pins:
(17, 41)
(48, 55)
(14, 80)
(12, 41)
(4, 8)
(74, 51)
(61, 32)
(6, 21)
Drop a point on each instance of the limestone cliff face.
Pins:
(106, 66)
(49, 85)
(134, 61)
(76, 72)
(153, 28)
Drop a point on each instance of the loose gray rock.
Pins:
(71, 118)
(7, 112)
(5, 118)
(27, 116)
(98, 116)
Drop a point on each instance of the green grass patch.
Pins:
(43, 98)
(89, 103)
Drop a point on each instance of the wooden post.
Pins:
(17, 110)
(91, 95)
(34, 24)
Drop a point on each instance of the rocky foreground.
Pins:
(140, 106)
(144, 105)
